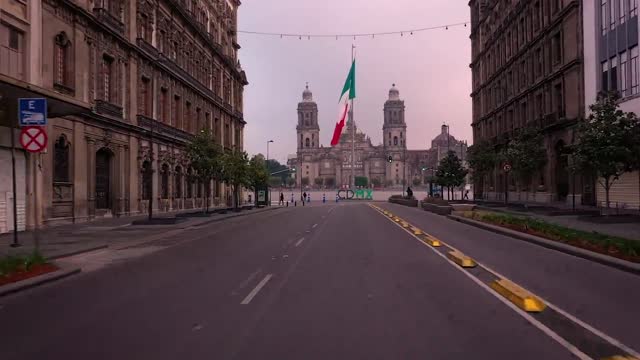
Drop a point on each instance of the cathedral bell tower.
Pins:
(308, 129)
(394, 128)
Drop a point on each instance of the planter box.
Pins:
(463, 207)
(437, 209)
(405, 202)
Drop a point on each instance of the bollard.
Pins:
(295, 203)
(337, 197)
(324, 198)
(287, 203)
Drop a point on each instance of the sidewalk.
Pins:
(629, 230)
(66, 240)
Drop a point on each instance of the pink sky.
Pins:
(431, 69)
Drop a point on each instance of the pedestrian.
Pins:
(292, 199)
(466, 194)
(409, 192)
(309, 197)
(304, 197)
(281, 202)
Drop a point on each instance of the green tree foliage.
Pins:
(235, 172)
(291, 181)
(330, 182)
(416, 181)
(482, 159)
(361, 181)
(257, 173)
(318, 181)
(450, 172)
(607, 142)
(376, 182)
(526, 153)
(274, 166)
(205, 159)
(276, 181)
(305, 181)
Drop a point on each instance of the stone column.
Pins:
(120, 181)
(91, 177)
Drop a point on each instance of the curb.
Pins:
(76, 252)
(235, 216)
(554, 245)
(38, 280)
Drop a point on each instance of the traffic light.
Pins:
(390, 159)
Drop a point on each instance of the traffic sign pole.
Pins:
(12, 116)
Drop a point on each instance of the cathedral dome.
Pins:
(394, 94)
(307, 95)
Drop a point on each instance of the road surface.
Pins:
(332, 281)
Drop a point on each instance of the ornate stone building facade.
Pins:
(386, 164)
(144, 77)
(527, 70)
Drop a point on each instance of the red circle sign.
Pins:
(33, 139)
(507, 167)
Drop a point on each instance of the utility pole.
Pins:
(150, 211)
(353, 132)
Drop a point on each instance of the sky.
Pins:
(430, 68)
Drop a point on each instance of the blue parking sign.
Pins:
(32, 111)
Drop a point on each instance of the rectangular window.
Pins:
(216, 129)
(604, 80)
(556, 48)
(164, 106)
(11, 52)
(508, 45)
(603, 16)
(539, 106)
(622, 11)
(556, 5)
(633, 8)
(557, 96)
(177, 116)
(634, 70)
(536, 16)
(60, 62)
(187, 120)
(145, 97)
(160, 40)
(539, 63)
(199, 124)
(623, 74)
(107, 78)
(612, 14)
(207, 120)
(613, 74)
(523, 115)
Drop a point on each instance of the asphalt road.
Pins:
(316, 282)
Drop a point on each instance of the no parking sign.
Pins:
(33, 139)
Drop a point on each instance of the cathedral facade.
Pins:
(388, 164)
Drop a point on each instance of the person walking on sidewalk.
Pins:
(304, 198)
(281, 202)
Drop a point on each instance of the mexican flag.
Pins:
(348, 93)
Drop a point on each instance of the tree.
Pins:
(205, 158)
(257, 173)
(361, 181)
(235, 172)
(482, 159)
(274, 166)
(275, 181)
(376, 182)
(305, 181)
(318, 181)
(525, 153)
(607, 142)
(291, 181)
(450, 172)
(416, 181)
(330, 182)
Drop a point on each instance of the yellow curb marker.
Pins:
(417, 231)
(432, 241)
(517, 295)
(405, 224)
(620, 357)
(397, 219)
(461, 259)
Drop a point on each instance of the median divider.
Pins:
(461, 259)
(620, 357)
(518, 296)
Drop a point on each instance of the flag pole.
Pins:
(353, 131)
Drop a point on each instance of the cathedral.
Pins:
(388, 164)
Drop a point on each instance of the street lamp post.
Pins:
(267, 164)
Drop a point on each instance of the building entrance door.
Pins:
(103, 179)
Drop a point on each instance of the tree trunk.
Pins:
(607, 186)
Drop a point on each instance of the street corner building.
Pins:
(527, 71)
(388, 164)
(128, 84)
(611, 64)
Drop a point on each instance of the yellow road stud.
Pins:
(620, 357)
(518, 296)
(405, 224)
(417, 231)
(397, 219)
(386, 212)
(461, 259)
(432, 241)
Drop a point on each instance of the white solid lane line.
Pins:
(256, 290)
(246, 282)
(314, 226)
(299, 242)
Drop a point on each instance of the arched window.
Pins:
(165, 181)
(177, 188)
(61, 160)
(395, 140)
(307, 142)
(147, 180)
(62, 56)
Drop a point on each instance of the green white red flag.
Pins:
(348, 93)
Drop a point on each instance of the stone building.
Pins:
(611, 64)
(387, 164)
(527, 71)
(128, 83)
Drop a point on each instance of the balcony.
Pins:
(109, 20)
(107, 108)
(163, 129)
(147, 47)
